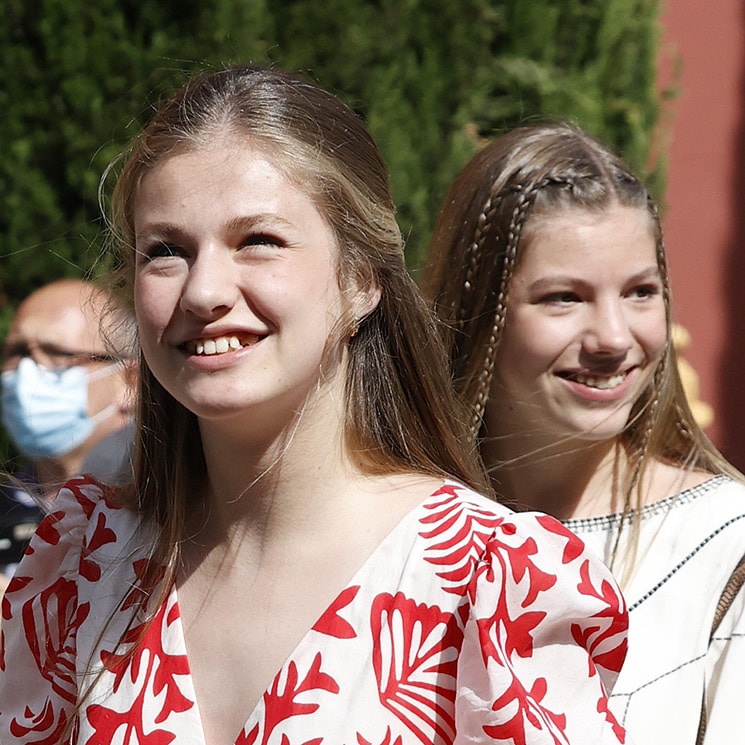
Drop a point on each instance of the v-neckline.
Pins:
(411, 516)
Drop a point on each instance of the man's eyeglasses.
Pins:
(49, 356)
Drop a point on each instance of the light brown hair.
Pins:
(401, 411)
(486, 220)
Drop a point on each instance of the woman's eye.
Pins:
(645, 291)
(158, 250)
(262, 239)
(560, 298)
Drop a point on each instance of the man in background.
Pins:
(67, 401)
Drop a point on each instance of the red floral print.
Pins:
(465, 625)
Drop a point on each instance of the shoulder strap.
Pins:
(729, 593)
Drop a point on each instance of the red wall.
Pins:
(704, 214)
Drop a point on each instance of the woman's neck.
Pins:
(311, 498)
(574, 479)
(269, 480)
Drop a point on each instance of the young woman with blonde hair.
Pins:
(547, 269)
(304, 555)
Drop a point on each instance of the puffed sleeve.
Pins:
(544, 641)
(40, 616)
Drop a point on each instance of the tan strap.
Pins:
(729, 593)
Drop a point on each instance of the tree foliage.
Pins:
(432, 78)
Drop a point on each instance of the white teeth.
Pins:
(221, 345)
(601, 383)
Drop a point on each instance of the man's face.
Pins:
(58, 327)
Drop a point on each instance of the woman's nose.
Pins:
(609, 331)
(210, 289)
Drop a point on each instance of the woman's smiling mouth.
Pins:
(219, 344)
(601, 382)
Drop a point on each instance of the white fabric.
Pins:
(467, 624)
(689, 545)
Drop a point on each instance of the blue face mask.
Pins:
(46, 411)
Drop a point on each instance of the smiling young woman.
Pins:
(586, 331)
(306, 553)
(548, 271)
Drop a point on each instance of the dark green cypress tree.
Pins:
(432, 78)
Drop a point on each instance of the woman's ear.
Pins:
(366, 300)
(363, 293)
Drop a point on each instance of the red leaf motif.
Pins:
(248, 738)
(520, 712)
(606, 640)
(146, 572)
(415, 657)
(102, 535)
(521, 561)
(314, 741)
(506, 630)
(106, 723)
(16, 583)
(331, 623)
(574, 546)
(161, 672)
(515, 634)
(618, 730)
(281, 700)
(46, 619)
(44, 728)
(457, 538)
(387, 740)
(80, 486)
(47, 530)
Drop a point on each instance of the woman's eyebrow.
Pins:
(549, 280)
(262, 219)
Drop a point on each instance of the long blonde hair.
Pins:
(501, 194)
(401, 412)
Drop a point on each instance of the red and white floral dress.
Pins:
(468, 624)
